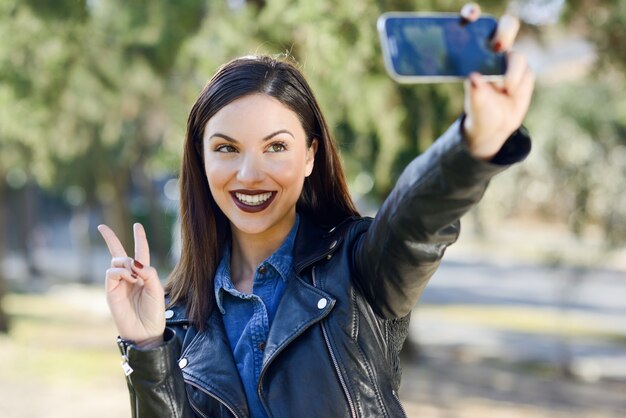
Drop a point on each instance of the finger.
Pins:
(470, 12)
(516, 68)
(508, 26)
(476, 87)
(142, 250)
(113, 243)
(114, 276)
(122, 262)
(146, 273)
(525, 89)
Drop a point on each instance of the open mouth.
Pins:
(249, 201)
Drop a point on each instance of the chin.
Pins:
(252, 228)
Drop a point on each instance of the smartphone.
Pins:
(438, 47)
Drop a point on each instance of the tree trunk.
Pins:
(4, 319)
(27, 223)
(117, 211)
(155, 229)
(79, 228)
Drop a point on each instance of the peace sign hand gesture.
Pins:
(134, 293)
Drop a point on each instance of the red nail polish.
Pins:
(497, 46)
(137, 264)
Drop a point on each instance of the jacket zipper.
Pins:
(334, 359)
(197, 411)
(397, 398)
(217, 398)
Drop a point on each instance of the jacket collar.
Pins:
(314, 243)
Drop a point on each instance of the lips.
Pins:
(252, 201)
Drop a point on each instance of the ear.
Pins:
(310, 158)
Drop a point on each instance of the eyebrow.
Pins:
(266, 138)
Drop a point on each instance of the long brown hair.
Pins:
(204, 227)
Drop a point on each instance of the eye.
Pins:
(277, 147)
(225, 148)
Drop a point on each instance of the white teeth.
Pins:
(253, 200)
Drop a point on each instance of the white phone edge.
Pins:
(410, 79)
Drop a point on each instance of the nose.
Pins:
(251, 170)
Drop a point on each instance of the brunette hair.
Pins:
(204, 227)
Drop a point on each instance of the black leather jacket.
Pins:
(333, 347)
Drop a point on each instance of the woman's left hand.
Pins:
(494, 110)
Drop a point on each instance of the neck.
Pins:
(250, 250)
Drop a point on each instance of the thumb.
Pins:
(476, 90)
(476, 96)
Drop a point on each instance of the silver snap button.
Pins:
(185, 326)
(321, 304)
(333, 245)
(169, 314)
(329, 256)
(182, 363)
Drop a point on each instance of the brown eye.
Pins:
(225, 148)
(277, 147)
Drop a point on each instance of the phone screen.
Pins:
(439, 46)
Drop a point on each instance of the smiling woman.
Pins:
(285, 302)
(262, 172)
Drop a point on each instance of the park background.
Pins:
(526, 317)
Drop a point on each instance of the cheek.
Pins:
(288, 172)
(216, 175)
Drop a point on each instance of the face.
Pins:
(256, 159)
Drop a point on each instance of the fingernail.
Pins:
(469, 11)
(497, 46)
(134, 275)
(472, 80)
(137, 264)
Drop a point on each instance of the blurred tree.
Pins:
(116, 104)
(83, 86)
(580, 129)
(98, 73)
(4, 320)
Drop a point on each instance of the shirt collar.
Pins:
(281, 260)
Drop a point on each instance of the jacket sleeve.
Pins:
(156, 385)
(404, 245)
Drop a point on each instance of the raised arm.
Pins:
(420, 218)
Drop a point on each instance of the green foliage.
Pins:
(583, 154)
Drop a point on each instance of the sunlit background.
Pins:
(526, 317)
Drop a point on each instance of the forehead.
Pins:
(257, 112)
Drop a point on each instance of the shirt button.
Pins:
(182, 363)
(261, 346)
(262, 269)
(169, 314)
(321, 304)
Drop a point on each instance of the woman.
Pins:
(285, 302)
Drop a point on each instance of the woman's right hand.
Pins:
(134, 293)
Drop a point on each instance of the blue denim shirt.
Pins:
(248, 317)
